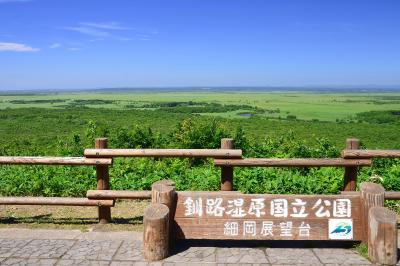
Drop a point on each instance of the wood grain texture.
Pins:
(365, 154)
(389, 195)
(163, 192)
(214, 229)
(227, 171)
(103, 182)
(372, 195)
(183, 153)
(291, 162)
(382, 237)
(392, 195)
(350, 172)
(54, 160)
(209, 226)
(156, 232)
(60, 201)
(118, 194)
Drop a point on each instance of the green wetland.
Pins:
(263, 124)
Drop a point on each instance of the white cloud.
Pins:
(10, 1)
(16, 47)
(74, 49)
(105, 25)
(100, 31)
(143, 37)
(89, 31)
(54, 45)
(94, 32)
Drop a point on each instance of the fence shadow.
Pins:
(49, 219)
(182, 245)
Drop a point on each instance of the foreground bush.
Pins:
(140, 173)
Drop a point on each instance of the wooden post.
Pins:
(372, 195)
(103, 182)
(382, 236)
(163, 192)
(227, 171)
(350, 173)
(156, 232)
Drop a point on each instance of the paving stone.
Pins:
(241, 255)
(98, 249)
(44, 249)
(294, 256)
(129, 250)
(83, 263)
(33, 262)
(136, 263)
(191, 264)
(9, 246)
(119, 235)
(336, 256)
(194, 254)
(357, 264)
(22, 233)
(93, 250)
(243, 264)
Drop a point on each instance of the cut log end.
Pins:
(371, 188)
(156, 211)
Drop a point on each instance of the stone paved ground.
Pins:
(72, 247)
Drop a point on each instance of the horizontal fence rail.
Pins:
(365, 154)
(58, 201)
(54, 160)
(227, 157)
(389, 195)
(184, 153)
(300, 162)
(118, 194)
(392, 195)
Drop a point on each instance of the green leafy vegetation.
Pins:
(362, 249)
(136, 121)
(380, 117)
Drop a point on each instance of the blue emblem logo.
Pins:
(342, 229)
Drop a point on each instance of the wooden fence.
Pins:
(60, 201)
(226, 158)
(356, 216)
(101, 158)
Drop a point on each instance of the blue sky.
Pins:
(47, 44)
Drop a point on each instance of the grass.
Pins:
(126, 216)
(362, 249)
(36, 127)
(42, 124)
(305, 105)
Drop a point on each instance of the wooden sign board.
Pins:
(232, 215)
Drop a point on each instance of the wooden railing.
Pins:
(292, 162)
(226, 157)
(100, 163)
(54, 160)
(181, 153)
(302, 162)
(365, 154)
(101, 158)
